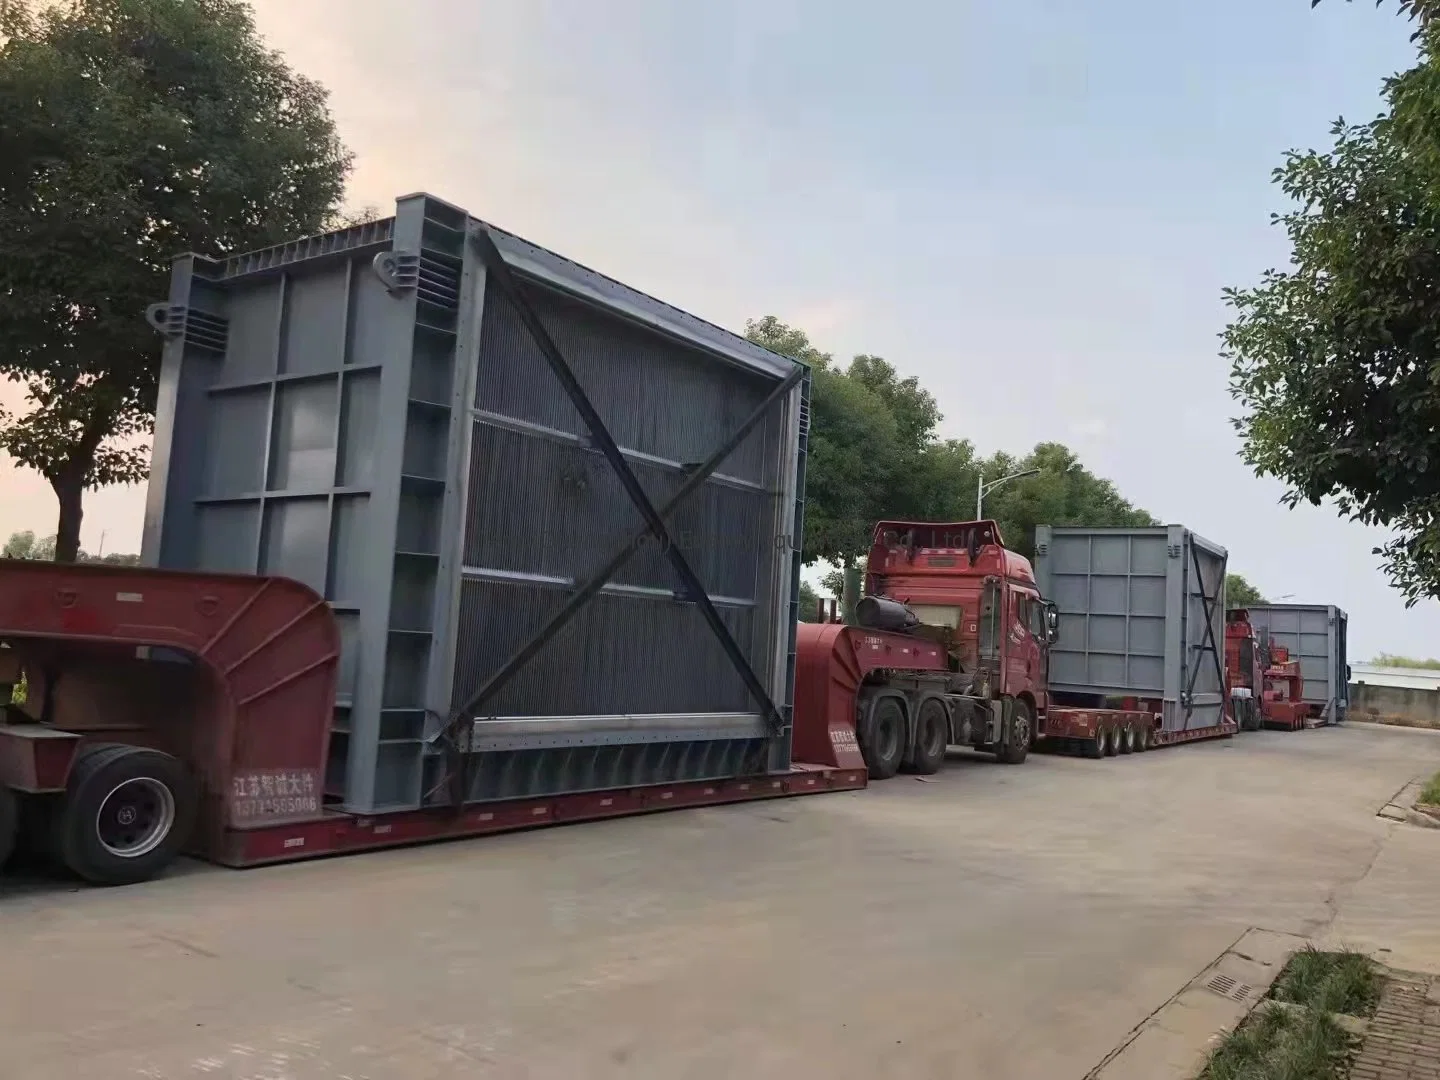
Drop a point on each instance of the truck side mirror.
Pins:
(1052, 623)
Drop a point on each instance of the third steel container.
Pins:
(1315, 636)
(1141, 615)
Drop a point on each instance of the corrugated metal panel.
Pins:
(1141, 614)
(1406, 678)
(1315, 634)
(365, 412)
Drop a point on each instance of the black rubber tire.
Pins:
(932, 737)
(1142, 740)
(1017, 735)
(1112, 741)
(97, 774)
(882, 738)
(1126, 739)
(9, 823)
(1094, 747)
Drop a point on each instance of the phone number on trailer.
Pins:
(284, 793)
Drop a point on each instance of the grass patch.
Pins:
(1276, 1043)
(1430, 793)
(1337, 982)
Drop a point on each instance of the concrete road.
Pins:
(992, 923)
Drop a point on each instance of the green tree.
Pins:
(854, 449)
(25, 545)
(1336, 360)
(1240, 593)
(809, 603)
(1063, 492)
(1392, 660)
(133, 130)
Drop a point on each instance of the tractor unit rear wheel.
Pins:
(1015, 739)
(9, 823)
(127, 813)
(932, 736)
(882, 738)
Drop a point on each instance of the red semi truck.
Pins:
(950, 648)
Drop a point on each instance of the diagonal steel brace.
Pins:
(1206, 604)
(505, 280)
(697, 477)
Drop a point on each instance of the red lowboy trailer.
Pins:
(169, 711)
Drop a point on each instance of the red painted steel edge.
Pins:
(338, 833)
(1072, 723)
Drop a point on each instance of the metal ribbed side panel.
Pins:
(545, 510)
(1133, 617)
(1315, 636)
(362, 412)
(618, 656)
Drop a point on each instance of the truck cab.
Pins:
(975, 597)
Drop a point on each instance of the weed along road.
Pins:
(980, 923)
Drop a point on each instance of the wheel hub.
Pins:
(135, 818)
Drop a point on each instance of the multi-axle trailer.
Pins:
(448, 535)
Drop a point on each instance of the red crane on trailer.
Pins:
(1266, 688)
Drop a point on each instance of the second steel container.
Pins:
(373, 412)
(1141, 615)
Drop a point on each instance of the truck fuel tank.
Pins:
(881, 613)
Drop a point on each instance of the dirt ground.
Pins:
(992, 923)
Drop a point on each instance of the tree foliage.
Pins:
(1240, 593)
(874, 454)
(1335, 361)
(25, 545)
(1392, 660)
(133, 130)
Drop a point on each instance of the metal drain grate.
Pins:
(1226, 986)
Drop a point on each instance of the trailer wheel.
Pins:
(882, 738)
(1094, 747)
(1142, 740)
(1127, 739)
(932, 736)
(1017, 734)
(9, 823)
(127, 813)
(1112, 741)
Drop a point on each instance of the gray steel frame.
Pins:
(1326, 678)
(406, 539)
(1154, 631)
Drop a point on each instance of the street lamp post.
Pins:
(982, 488)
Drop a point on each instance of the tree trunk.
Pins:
(71, 494)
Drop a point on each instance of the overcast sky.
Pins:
(1030, 204)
